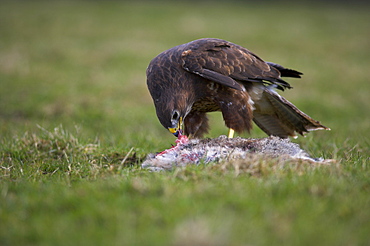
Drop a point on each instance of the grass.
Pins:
(76, 121)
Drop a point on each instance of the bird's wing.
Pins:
(226, 63)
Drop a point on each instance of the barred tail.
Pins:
(277, 116)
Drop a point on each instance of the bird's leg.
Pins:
(231, 133)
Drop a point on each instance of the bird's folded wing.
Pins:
(226, 63)
(221, 79)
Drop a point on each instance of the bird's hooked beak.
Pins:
(178, 129)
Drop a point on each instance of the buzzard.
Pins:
(207, 75)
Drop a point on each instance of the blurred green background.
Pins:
(74, 102)
(83, 62)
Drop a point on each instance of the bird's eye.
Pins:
(175, 115)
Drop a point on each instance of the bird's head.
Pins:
(172, 108)
(172, 97)
(171, 114)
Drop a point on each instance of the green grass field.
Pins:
(76, 121)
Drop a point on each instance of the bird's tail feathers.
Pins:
(277, 116)
(285, 72)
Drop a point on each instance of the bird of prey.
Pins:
(207, 75)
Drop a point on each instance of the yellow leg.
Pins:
(231, 133)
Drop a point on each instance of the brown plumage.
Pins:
(207, 75)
